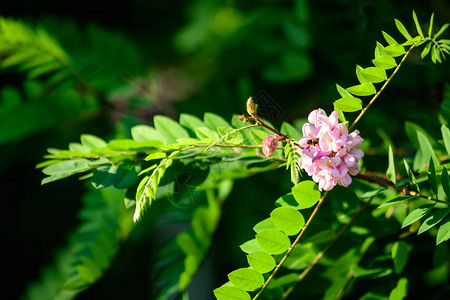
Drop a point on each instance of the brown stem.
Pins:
(390, 185)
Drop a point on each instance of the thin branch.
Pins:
(375, 97)
(313, 214)
(327, 247)
(390, 185)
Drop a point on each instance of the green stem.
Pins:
(313, 214)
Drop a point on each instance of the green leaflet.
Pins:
(258, 136)
(363, 89)
(416, 22)
(433, 219)
(290, 131)
(251, 246)
(443, 234)
(263, 225)
(425, 152)
(445, 182)
(205, 132)
(169, 129)
(402, 29)
(431, 174)
(92, 142)
(246, 279)
(261, 261)
(67, 168)
(394, 50)
(143, 133)
(306, 193)
(446, 136)
(273, 241)
(385, 62)
(389, 39)
(374, 74)
(399, 256)
(417, 214)
(287, 219)
(146, 190)
(390, 172)
(230, 293)
(400, 291)
(348, 104)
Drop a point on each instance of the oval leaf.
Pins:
(363, 89)
(273, 241)
(230, 293)
(261, 261)
(288, 220)
(306, 193)
(374, 74)
(348, 104)
(246, 279)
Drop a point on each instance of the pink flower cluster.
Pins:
(329, 153)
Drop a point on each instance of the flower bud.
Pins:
(251, 107)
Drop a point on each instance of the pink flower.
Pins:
(329, 153)
(270, 143)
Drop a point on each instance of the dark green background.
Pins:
(294, 52)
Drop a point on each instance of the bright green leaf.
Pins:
(402, 29)
(363, 89)
(426, 50)
(433, 219)
(169, 129)
(92, 142)
(400, 291)
(394, 50)
(205, 132)
(263, 225)
(374, 74)
(287, 219)
(273, 241)
(306, 193)
(261, 261)
(416, 21)
(443, 234)
(290, 131)
(246, 279)
(385, 62)
(430, 29)
(417, 214)
(343, 92)
(389, 39)
(142, 133)
(348, 104)
(443, 28)
(230, 293)
(250, 246)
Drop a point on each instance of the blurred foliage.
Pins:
(124, 63)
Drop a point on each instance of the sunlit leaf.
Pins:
(246, 279)
(273, 241)
(288, 220)
(306, 193)
(261, 261)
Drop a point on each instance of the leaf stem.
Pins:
(313, 214)
(375, 97)
(327, 247)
